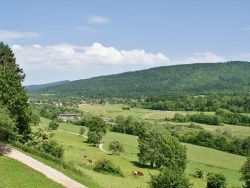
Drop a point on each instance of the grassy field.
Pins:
(115, 110)
(16, 174)
(151, 115)
(209, 160)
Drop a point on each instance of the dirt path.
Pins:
(147, 115)
(100, 145)
(49, 172)
(102, 149)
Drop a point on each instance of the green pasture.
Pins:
(151, 115)
(209, 160)
(16, 174)
(116, 109)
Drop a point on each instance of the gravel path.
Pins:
(49, 172)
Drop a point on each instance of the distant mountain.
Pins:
(42, 86)
(201, 78)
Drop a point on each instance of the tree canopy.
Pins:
(97, 129)
(160, 149)
(12, 94)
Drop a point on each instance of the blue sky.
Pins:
(56, 40)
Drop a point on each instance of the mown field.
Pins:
(209, 160)
(16, 174)
(152, 115)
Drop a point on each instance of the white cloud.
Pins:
(11, 35)
(207, 57)
(98, 20)
(76, 58)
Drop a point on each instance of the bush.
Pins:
(168, 178)
(116, 147)
(216, 180)
(106, 166)
(198, 173)
(53, 125)
(41, 140)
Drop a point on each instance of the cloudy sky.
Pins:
(56, 40)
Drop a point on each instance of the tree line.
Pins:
(221, 116)
(239, 103)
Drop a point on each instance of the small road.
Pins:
(49, 172)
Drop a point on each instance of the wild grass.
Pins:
(16, 174)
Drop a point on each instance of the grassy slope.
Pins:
(198, 157)
(16, 174)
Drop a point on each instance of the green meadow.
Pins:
(206, 159)
(16, 174)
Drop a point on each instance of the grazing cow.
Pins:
(140, 173)
(90, 161)
(134, 173)
(137, 173)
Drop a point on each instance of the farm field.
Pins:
(16, 174)
(198, 157)
(116, 109)
(151, 115)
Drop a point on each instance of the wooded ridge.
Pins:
(196, 79)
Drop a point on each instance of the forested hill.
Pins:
(200, 78)
(42, 86)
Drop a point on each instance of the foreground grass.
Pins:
(16, 174)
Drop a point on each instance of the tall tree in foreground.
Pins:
(245, 170)
(12, 93)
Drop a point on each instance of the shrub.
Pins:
(216, 180)
(53, 125)
(169, 178)
(116, 147)
(106, 166)
(198, 173)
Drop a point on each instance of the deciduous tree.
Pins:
(160, 149)
(245, 170)
(97, 129)
(12, 93)
(116, 147)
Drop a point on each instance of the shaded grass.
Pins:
(16, 174)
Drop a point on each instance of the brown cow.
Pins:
(137, 173)
(90, 161)
(140, 173)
